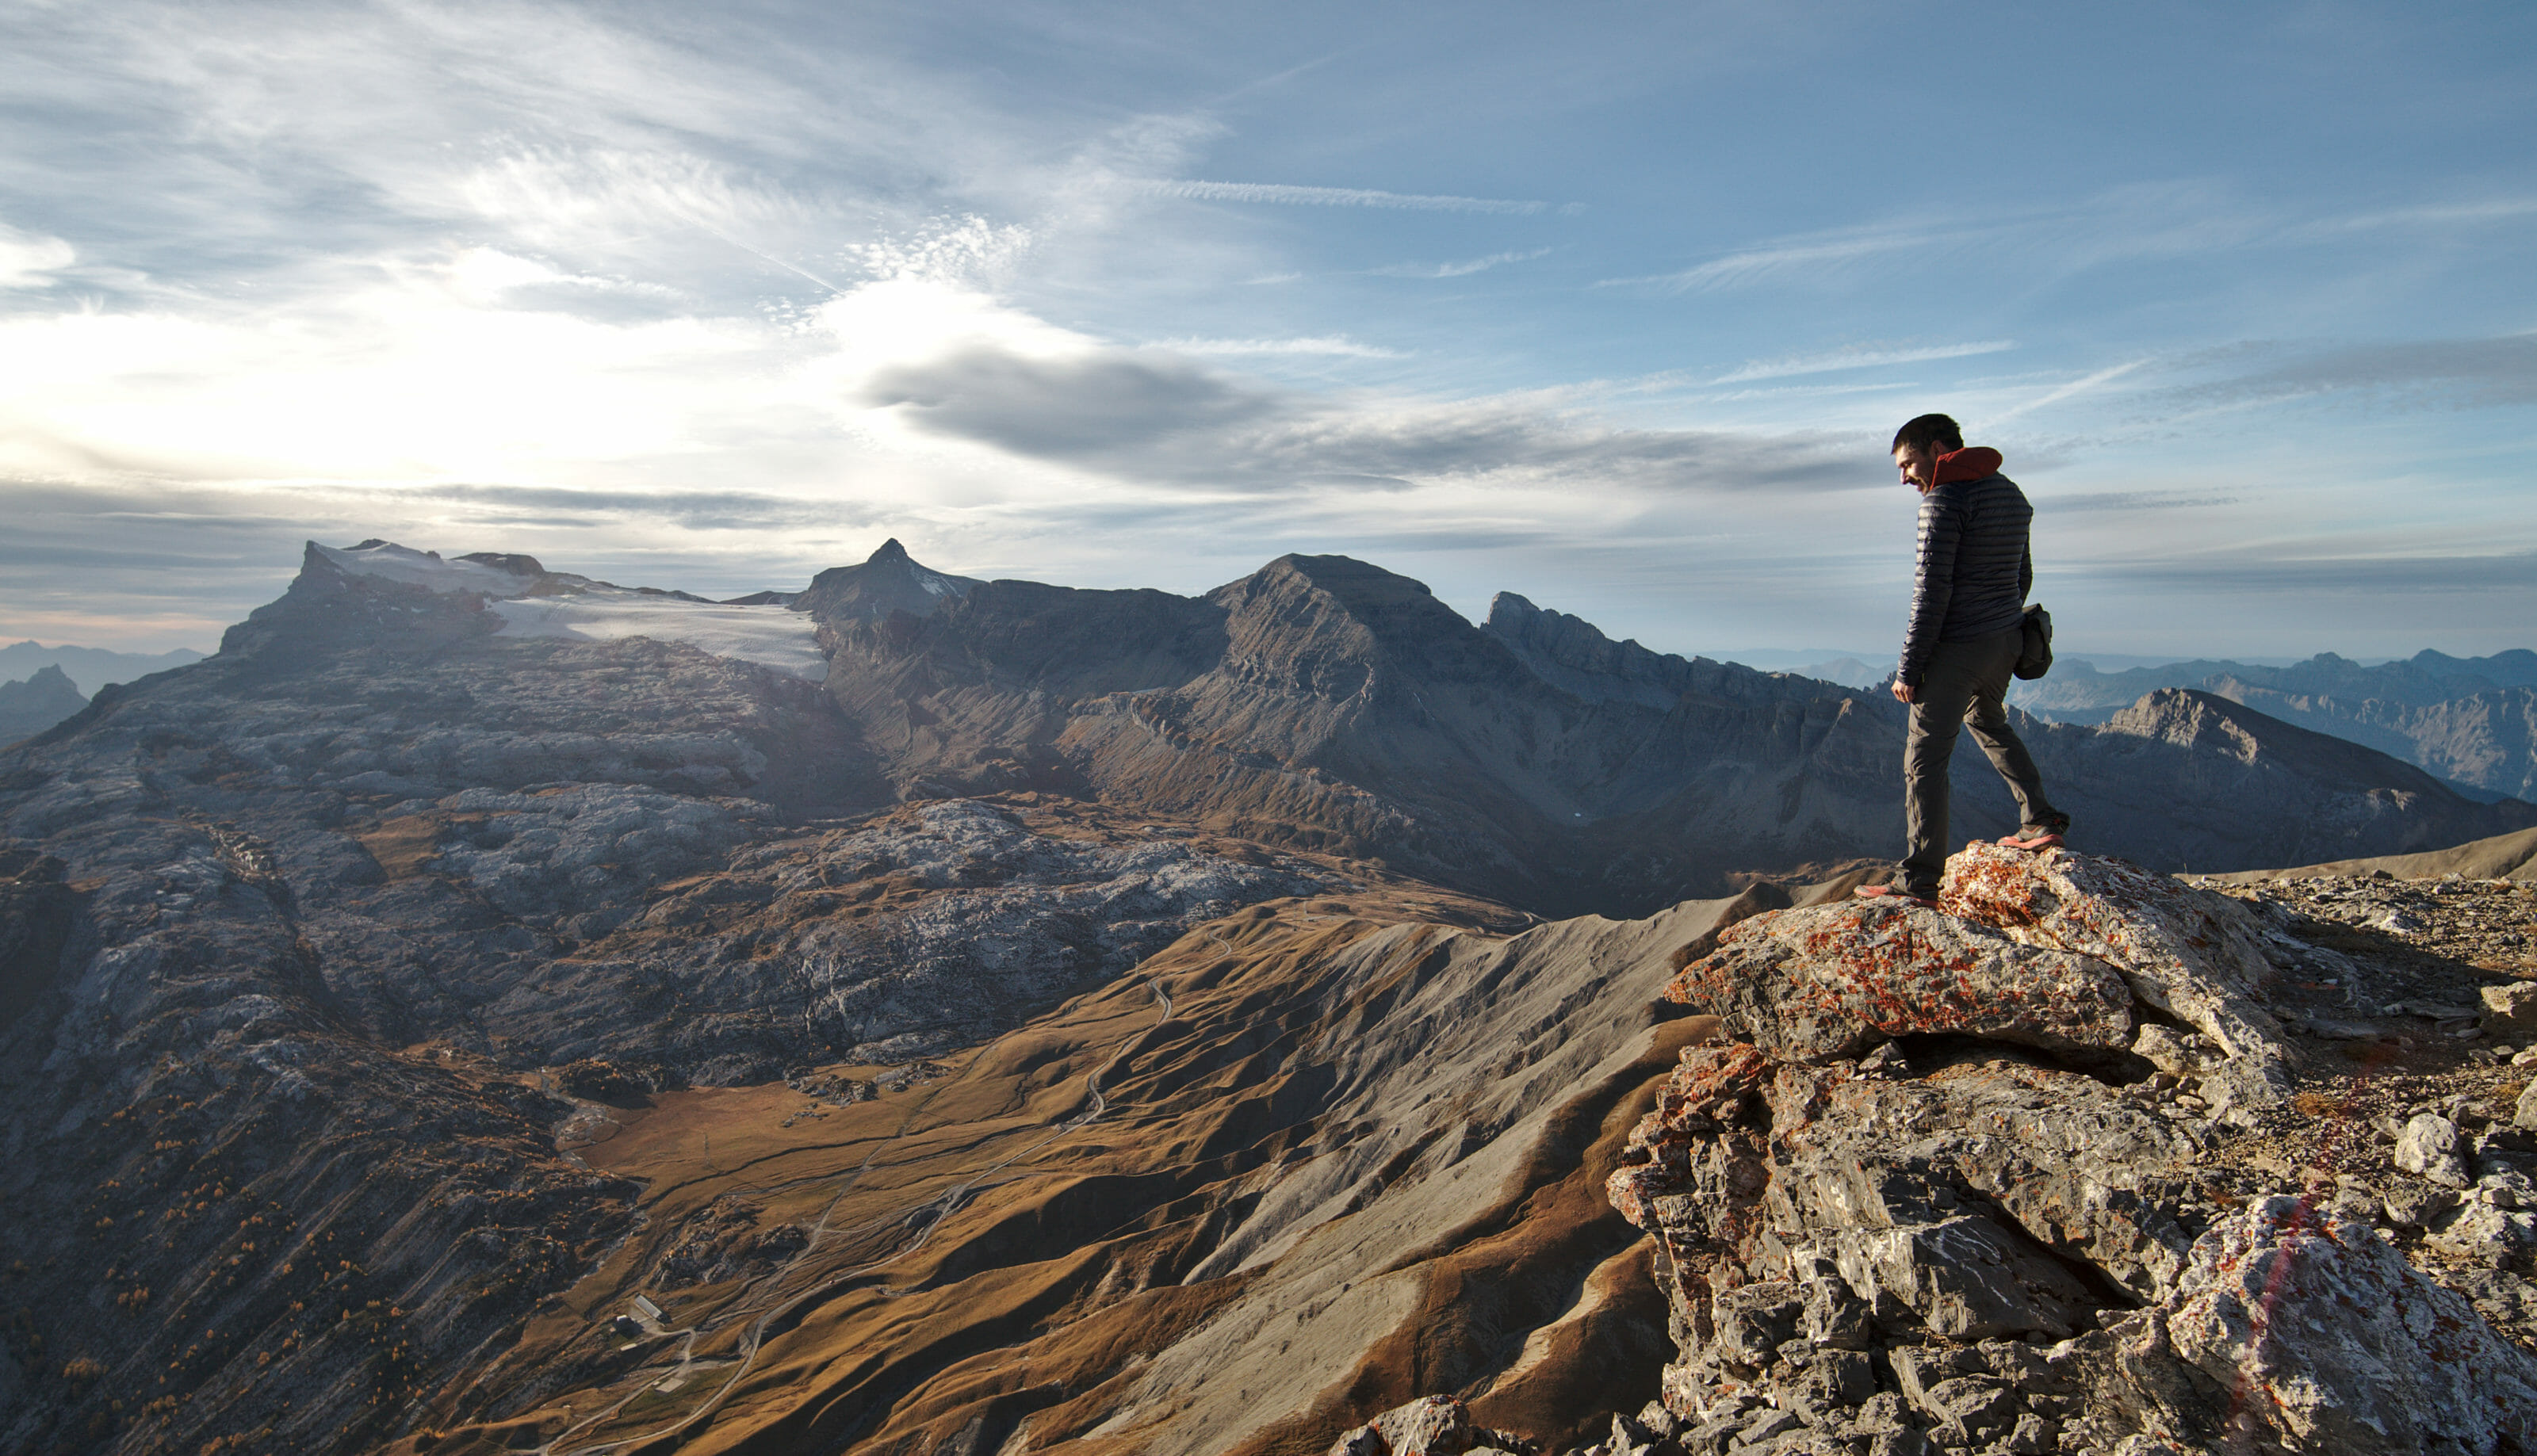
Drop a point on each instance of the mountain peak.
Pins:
(887, 580)
(40, 702)
(2189, 718)
(1509, 610)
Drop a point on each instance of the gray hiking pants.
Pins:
(1966, 683)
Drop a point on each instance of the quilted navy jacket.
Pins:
(1974, 567)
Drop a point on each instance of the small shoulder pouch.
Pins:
(2035, 653)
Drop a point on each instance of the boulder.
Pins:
(1832, 982)
(1430, 1425)
(2191, 953)
(2510, 1010)
(2318, 1336)
(2427, 1148)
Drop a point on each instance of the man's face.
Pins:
(1917, 463)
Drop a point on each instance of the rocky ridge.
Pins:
(1883, 1226)
(1326, 703)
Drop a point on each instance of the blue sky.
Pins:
(1613, 305)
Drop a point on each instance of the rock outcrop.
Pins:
(1912, 1203)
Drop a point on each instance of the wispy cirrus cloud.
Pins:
(1794, 256)
(2472, 371)
(2086, 384)
(1464, 269)
(1336, 346)
(2135, 501)
(2140, 222)
(1288, 195)
(2428, 215)
(1862, 356)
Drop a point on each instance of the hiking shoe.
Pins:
(2039, 837)
(1896, 895)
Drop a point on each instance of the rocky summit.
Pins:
(1960, 1223)
(486, 1008)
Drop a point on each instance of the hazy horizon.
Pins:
(1768, 657)
(1615, 310)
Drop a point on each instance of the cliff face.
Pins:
(2484, 740)
(233, 1214)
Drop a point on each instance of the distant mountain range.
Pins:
(88, 668)
(36, 704)
(1331, 704)
(2470, 721)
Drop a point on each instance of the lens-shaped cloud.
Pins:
(1166, 420)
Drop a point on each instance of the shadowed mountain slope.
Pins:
(2506, 856)
(1300, 1168)
(1326, 703)
(2180, 775)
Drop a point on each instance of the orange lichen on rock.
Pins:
(1832, 982)
(2192, 955)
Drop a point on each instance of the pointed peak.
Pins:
(889, 580)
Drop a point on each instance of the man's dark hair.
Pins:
(1928, 430)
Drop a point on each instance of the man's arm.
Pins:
(2025, 571)
(1934, 581)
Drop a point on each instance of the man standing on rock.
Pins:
(1968, 624)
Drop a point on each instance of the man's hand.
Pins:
(1903, 691)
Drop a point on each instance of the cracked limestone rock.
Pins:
(1832, 982)
(2510, 1010)
(2008, 1235)
(2429, 1147)
(2316, 1333)
(2188, 953)
(1430, 1425)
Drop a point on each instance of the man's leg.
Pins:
(1987, 715)
(1945, 696)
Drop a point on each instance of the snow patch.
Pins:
(769, 635)
(414, 568)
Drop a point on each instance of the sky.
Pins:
(1615, 305)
